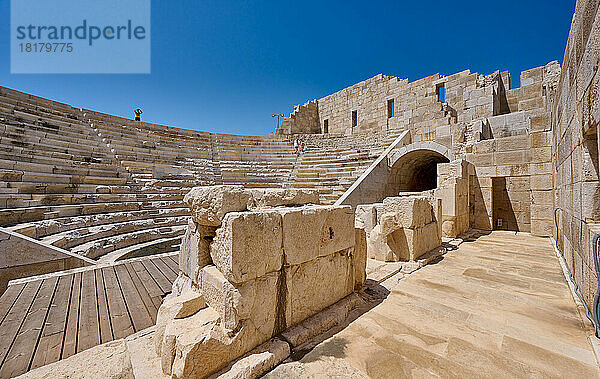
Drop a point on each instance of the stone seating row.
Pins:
(75, 237)
(74, 132)
(103, 246)
(57, 166)
(44, 228)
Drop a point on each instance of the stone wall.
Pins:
(575, 134)
(304, 120)
(504, 132)
(252, 264)
(22, 256)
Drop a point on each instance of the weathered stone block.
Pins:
(359, 258)
(195, 249)
(311, 232)
(209, 204)
(365, 217)
(248, 245)
(255, 300)
(304, 297)
(277, 197)
(408, 211)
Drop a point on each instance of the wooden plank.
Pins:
(137, 310)
(119, 316)
(19, 357)
(103, 314)
(89, 329)
(70, 341)
(171, 263)
(8, 299)
(175, 259)
(162, 266)
(145, 296)
(154, 291)
(162, 281)
(51, 341)
(15, 317)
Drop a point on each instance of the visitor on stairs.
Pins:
(138, 112)
(296, 145)
(301, 145)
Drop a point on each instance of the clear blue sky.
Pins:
(226, 66)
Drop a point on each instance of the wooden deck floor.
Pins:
(45, 320)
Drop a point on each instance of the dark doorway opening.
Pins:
(503, 214)
(416, 171)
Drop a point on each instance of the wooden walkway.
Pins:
(48, 319)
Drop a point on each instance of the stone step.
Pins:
(43, 228)
(75, 237)
(103, 246)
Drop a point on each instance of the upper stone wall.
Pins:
(429, 107)
(575, 118)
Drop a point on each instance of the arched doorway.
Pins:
(414, 167)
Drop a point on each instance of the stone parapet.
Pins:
(252, 264)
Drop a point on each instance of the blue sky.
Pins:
(226, 66)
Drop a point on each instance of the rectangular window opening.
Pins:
(354, 118)
(326, 126)
(440, 91)
(390, 108)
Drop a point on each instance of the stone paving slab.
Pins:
(497, 306)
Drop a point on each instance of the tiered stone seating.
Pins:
(104, 186)
(332, 163)
(157, 155)
(254, 161)
(60, 183)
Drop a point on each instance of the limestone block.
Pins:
(176, 307)
(409, 211)
(407, 244)
(209, 204)
(276, 197)
(202, 347)
(255, 300)
(512, 143)
(542, 228)
(109, 360)
(430, 237)
(541, 182)
(365, 217)
(179, 351)
(248, 245)
(316, 284)
(195, 249)
(338, 232)
(359, 258)
(541, 139)
(257, 361)
(377, 247)
(316, 231)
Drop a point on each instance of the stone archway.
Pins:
(413, 168)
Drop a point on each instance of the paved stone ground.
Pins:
(498, 306)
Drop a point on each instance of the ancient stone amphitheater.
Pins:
(444, 227)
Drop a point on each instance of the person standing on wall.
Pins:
(138, 113)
